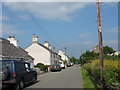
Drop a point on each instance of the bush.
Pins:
(42, 67)
(110, 72)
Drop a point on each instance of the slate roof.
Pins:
(47, 48)
(9, 50)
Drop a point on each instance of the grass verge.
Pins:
(87, 83)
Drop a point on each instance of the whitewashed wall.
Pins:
(40, 54)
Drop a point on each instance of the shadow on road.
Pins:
(12, 88)
(30, 84)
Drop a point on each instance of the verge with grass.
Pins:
(87, 83)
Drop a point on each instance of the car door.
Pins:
(29, 74)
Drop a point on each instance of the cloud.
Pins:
(111, 42)
(4, 18)
(24, 17)
(7, 29)
(88, 43)
(85, 35)
(63, 11)
(112, 30)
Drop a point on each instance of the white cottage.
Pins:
(42, 53)
(63, 56)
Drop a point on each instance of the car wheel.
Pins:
(34, 80)
(20, 86)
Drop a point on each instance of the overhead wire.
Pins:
(38, 24)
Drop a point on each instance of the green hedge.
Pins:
(110, 73)
(42, 66)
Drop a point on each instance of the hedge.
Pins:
(111, 73)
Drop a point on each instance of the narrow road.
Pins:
(67, 78)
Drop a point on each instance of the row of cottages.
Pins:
(42, 53)
(9, 49)
(64, 56)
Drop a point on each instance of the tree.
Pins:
(108, 50)
(88, 55)
(73, 59)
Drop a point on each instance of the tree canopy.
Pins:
(108, 50)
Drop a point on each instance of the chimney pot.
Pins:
(46, 44)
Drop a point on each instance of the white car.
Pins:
(71, 64)
(62, 66)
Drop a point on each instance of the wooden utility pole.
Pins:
(100, 44)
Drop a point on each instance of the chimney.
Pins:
(13, 40)
(54, 49)
(46, 44)
(34, 38)
(50, 47)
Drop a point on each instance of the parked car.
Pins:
(71, 64)
(55, 67)
(62, 65)
(17, 73)
(68, 65)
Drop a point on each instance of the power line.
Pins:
(38, 24)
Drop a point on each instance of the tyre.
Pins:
(34, 79)
(20, 85)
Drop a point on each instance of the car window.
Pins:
(7, 64)
(20, 67)
(27, 67)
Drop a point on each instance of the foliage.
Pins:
(108, 50)
(87, 83)
(73, 59)
(65, 61)
(110, 72)
(87, 56)
(91, 55)
(42, 67)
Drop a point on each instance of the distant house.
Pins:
(117, 53)
(10, 51)
(63, 56)
(96, 49)
(42, 53)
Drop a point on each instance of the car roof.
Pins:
(12, 60)
(56, 64)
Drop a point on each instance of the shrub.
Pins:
(42, 67)
(110, 71)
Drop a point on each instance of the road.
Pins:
(67, 78)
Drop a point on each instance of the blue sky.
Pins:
(73, 25)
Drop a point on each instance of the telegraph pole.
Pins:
(100, 43)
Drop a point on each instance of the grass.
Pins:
(87, 83)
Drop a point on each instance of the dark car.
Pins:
(56, 67)
(16, 73)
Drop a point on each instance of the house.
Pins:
(117, 53)
(42, 53)
(9, 51)
(96, 49)
(63, 56)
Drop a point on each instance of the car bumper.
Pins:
(63, 67)
(13, 81)
(55, 69)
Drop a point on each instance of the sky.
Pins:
(63, 24)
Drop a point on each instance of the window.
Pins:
(27, 66)
(19, 67)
